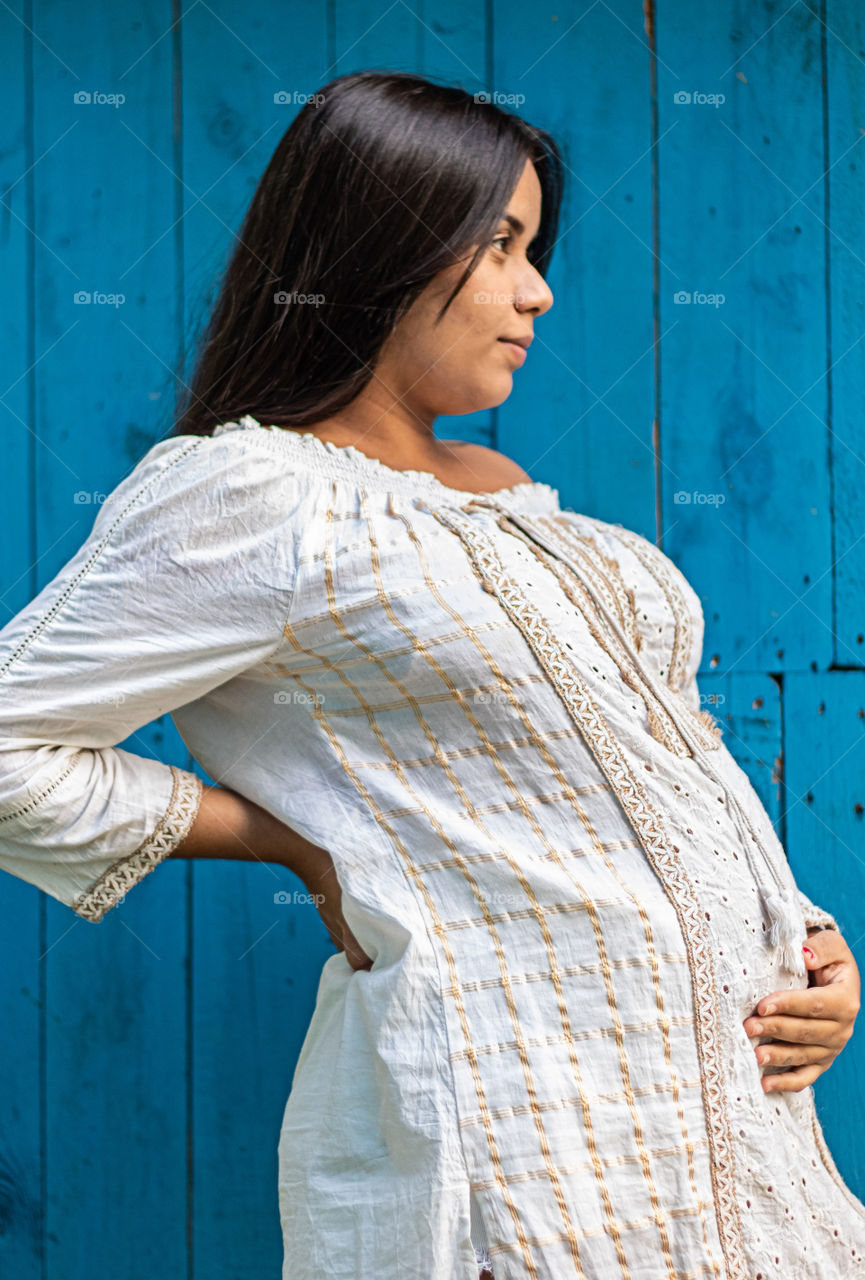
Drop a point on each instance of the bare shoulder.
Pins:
(495, 470)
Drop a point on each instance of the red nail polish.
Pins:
(808, 952)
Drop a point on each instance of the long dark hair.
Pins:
(382, 180)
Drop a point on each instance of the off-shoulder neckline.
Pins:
(351, 461)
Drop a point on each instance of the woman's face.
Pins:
(461, 364)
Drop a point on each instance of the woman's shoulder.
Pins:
(202, 476)
(490, 470)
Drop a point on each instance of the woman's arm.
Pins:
(183, 584)
(228, 825)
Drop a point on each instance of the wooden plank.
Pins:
(21, 905)
(254, 962)
(845, 124)
(580, 415)
(115, 1157)
(743, 423)
(448, 41)
(824, 751)
(748, 707)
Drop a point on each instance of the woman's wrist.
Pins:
(228, 825)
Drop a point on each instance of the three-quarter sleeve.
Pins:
(184, 582)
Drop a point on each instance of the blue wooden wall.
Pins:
(146, 1061)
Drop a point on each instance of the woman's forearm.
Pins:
(227, 825)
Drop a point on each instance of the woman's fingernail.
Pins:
(808, 952)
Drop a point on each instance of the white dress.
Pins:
(485, 708)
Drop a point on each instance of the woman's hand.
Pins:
(322, 883)
(229, 825)
(809, 1026)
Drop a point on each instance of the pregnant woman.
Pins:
(468, 719)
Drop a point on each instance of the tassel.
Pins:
(785, 929)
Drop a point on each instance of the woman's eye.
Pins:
(504, 236)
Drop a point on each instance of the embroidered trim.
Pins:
(43, 620)
(170, 830)
(587, 548)
(668, 865)
(669, 579)
(705, 720)
(46, 790)
(661, 725)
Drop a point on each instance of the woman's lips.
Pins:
(518, 352)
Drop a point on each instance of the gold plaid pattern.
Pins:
(565, 935)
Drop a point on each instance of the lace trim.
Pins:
(665, 574)
(661, 725)
(670, 580)
(707, 722)
(171, 829)
(610, 578)
(663, 856)
(39, 796)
